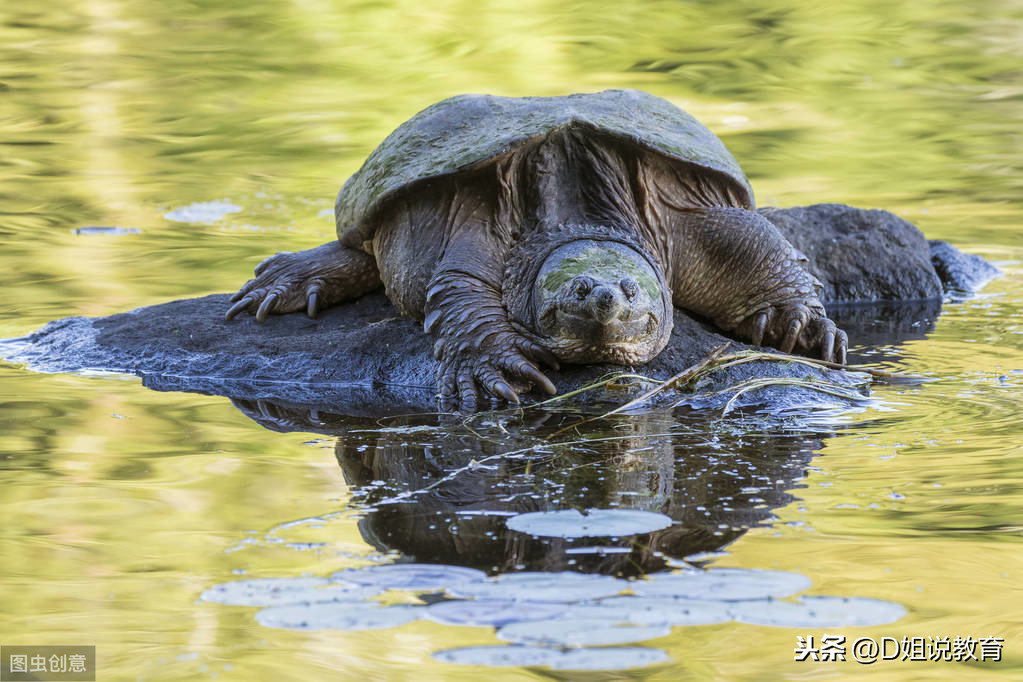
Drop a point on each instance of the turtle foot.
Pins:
(504, 366)
(305, 280)
(796, 327)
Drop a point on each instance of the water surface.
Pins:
(123, 505)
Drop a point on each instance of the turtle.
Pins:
(534, 231)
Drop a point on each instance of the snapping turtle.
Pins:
(525, 232)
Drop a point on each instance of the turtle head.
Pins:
(601, 301)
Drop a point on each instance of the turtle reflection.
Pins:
(444, 496)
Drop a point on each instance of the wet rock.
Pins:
(364, 358)
(860, 254)
(960, 272)
(357, 358)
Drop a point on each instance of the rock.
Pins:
(357, 358)
(960, 272)
(860, 254)
(364, 358)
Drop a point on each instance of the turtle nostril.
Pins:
(605, 304)
(629, 287)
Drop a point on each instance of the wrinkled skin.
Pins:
(570, 249)
(599, 301)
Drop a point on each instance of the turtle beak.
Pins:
(605, 304)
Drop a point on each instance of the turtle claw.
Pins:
(243, 291)
(759, 327)
(536, 377)
(471, 373)
(503, 390)
(800, 328)
(792, 335)
(290, 282)
(537, 353)
(239, 306)
(828, 344)
(311, 306)
(267, 305)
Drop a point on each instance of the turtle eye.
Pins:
(581, 286)
(629, 288)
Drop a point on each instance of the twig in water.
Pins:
(753, 384)
(754, 355)
(679, 379)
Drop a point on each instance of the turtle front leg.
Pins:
(479, 351)
(735, 267)
(308, 280)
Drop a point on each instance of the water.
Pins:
(123, 505)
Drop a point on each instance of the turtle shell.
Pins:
(468, 132)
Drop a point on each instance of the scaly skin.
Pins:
(308, 280)
(477, 347)
(733, 266)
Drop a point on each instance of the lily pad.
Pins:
(571, 523)
(499, 656)
(278, 591)
(492, 612)
(651, 610)
(415, 577)
(338, 616)
(818, 612)
(611, 658)
(545, 587)
(729, 584)
(579, 632)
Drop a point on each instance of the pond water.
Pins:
(152, 151)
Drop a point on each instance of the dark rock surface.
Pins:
(357, 358)
(364, 358)
(960, 272)
(860, 254)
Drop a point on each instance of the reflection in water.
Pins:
(877, 330)
(445, 498)
(453, 497)
(440, 491)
